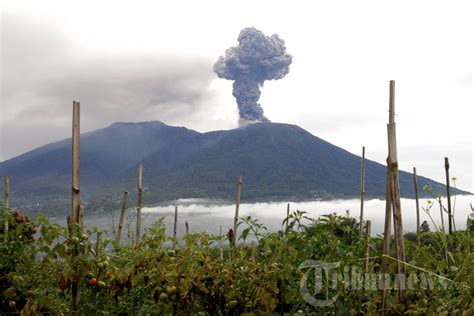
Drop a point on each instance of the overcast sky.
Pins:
(136, 61)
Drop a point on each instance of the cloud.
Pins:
(42, 72)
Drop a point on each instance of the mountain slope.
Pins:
(278, 162)
(41, 178)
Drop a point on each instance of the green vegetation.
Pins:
(262, 273)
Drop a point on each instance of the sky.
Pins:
(153, 60)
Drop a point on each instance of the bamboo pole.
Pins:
(388, 216)
(367, 239)
(122, 215)
(362, 190)
(448, 191)
(175, 226)
(395, 190)
(418, 224)
(76, 207)
(6, 207)
(186, 227)
(287, 218)
(139, 202)
(237, 206)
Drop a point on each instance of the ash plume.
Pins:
(257, 58)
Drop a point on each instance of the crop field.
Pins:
(312, 266)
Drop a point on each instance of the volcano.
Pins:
(278, 162)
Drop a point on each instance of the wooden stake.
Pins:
(362, 190)
(367, 239)
(448, 191)
(221, 246)
(139, 202)
(76, 207)
(122, 215)
(75, 162)
(6, 207)
(237, 205)
(6, 196)
(69, 225)
(186, 226)
(418, 224)
(76, 295)
(395, 191)
(175, 226)
(287, 218)
(468, 233)
(231, 237)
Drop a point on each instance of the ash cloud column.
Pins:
(257, 58)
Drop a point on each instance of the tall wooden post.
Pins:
(122, 215)
(75, 162)
(395, 191)
(448, 191)
(237, 206)
(139, 202)
(362, 190)
(6, 207)
(418, 224)
(175, 226)
(76, 207)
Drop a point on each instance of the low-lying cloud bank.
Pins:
(204, 216)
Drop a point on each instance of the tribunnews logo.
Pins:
(322, 282)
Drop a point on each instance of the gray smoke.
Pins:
(257, 58)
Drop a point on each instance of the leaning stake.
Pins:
(122, 215)
(237, 205)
